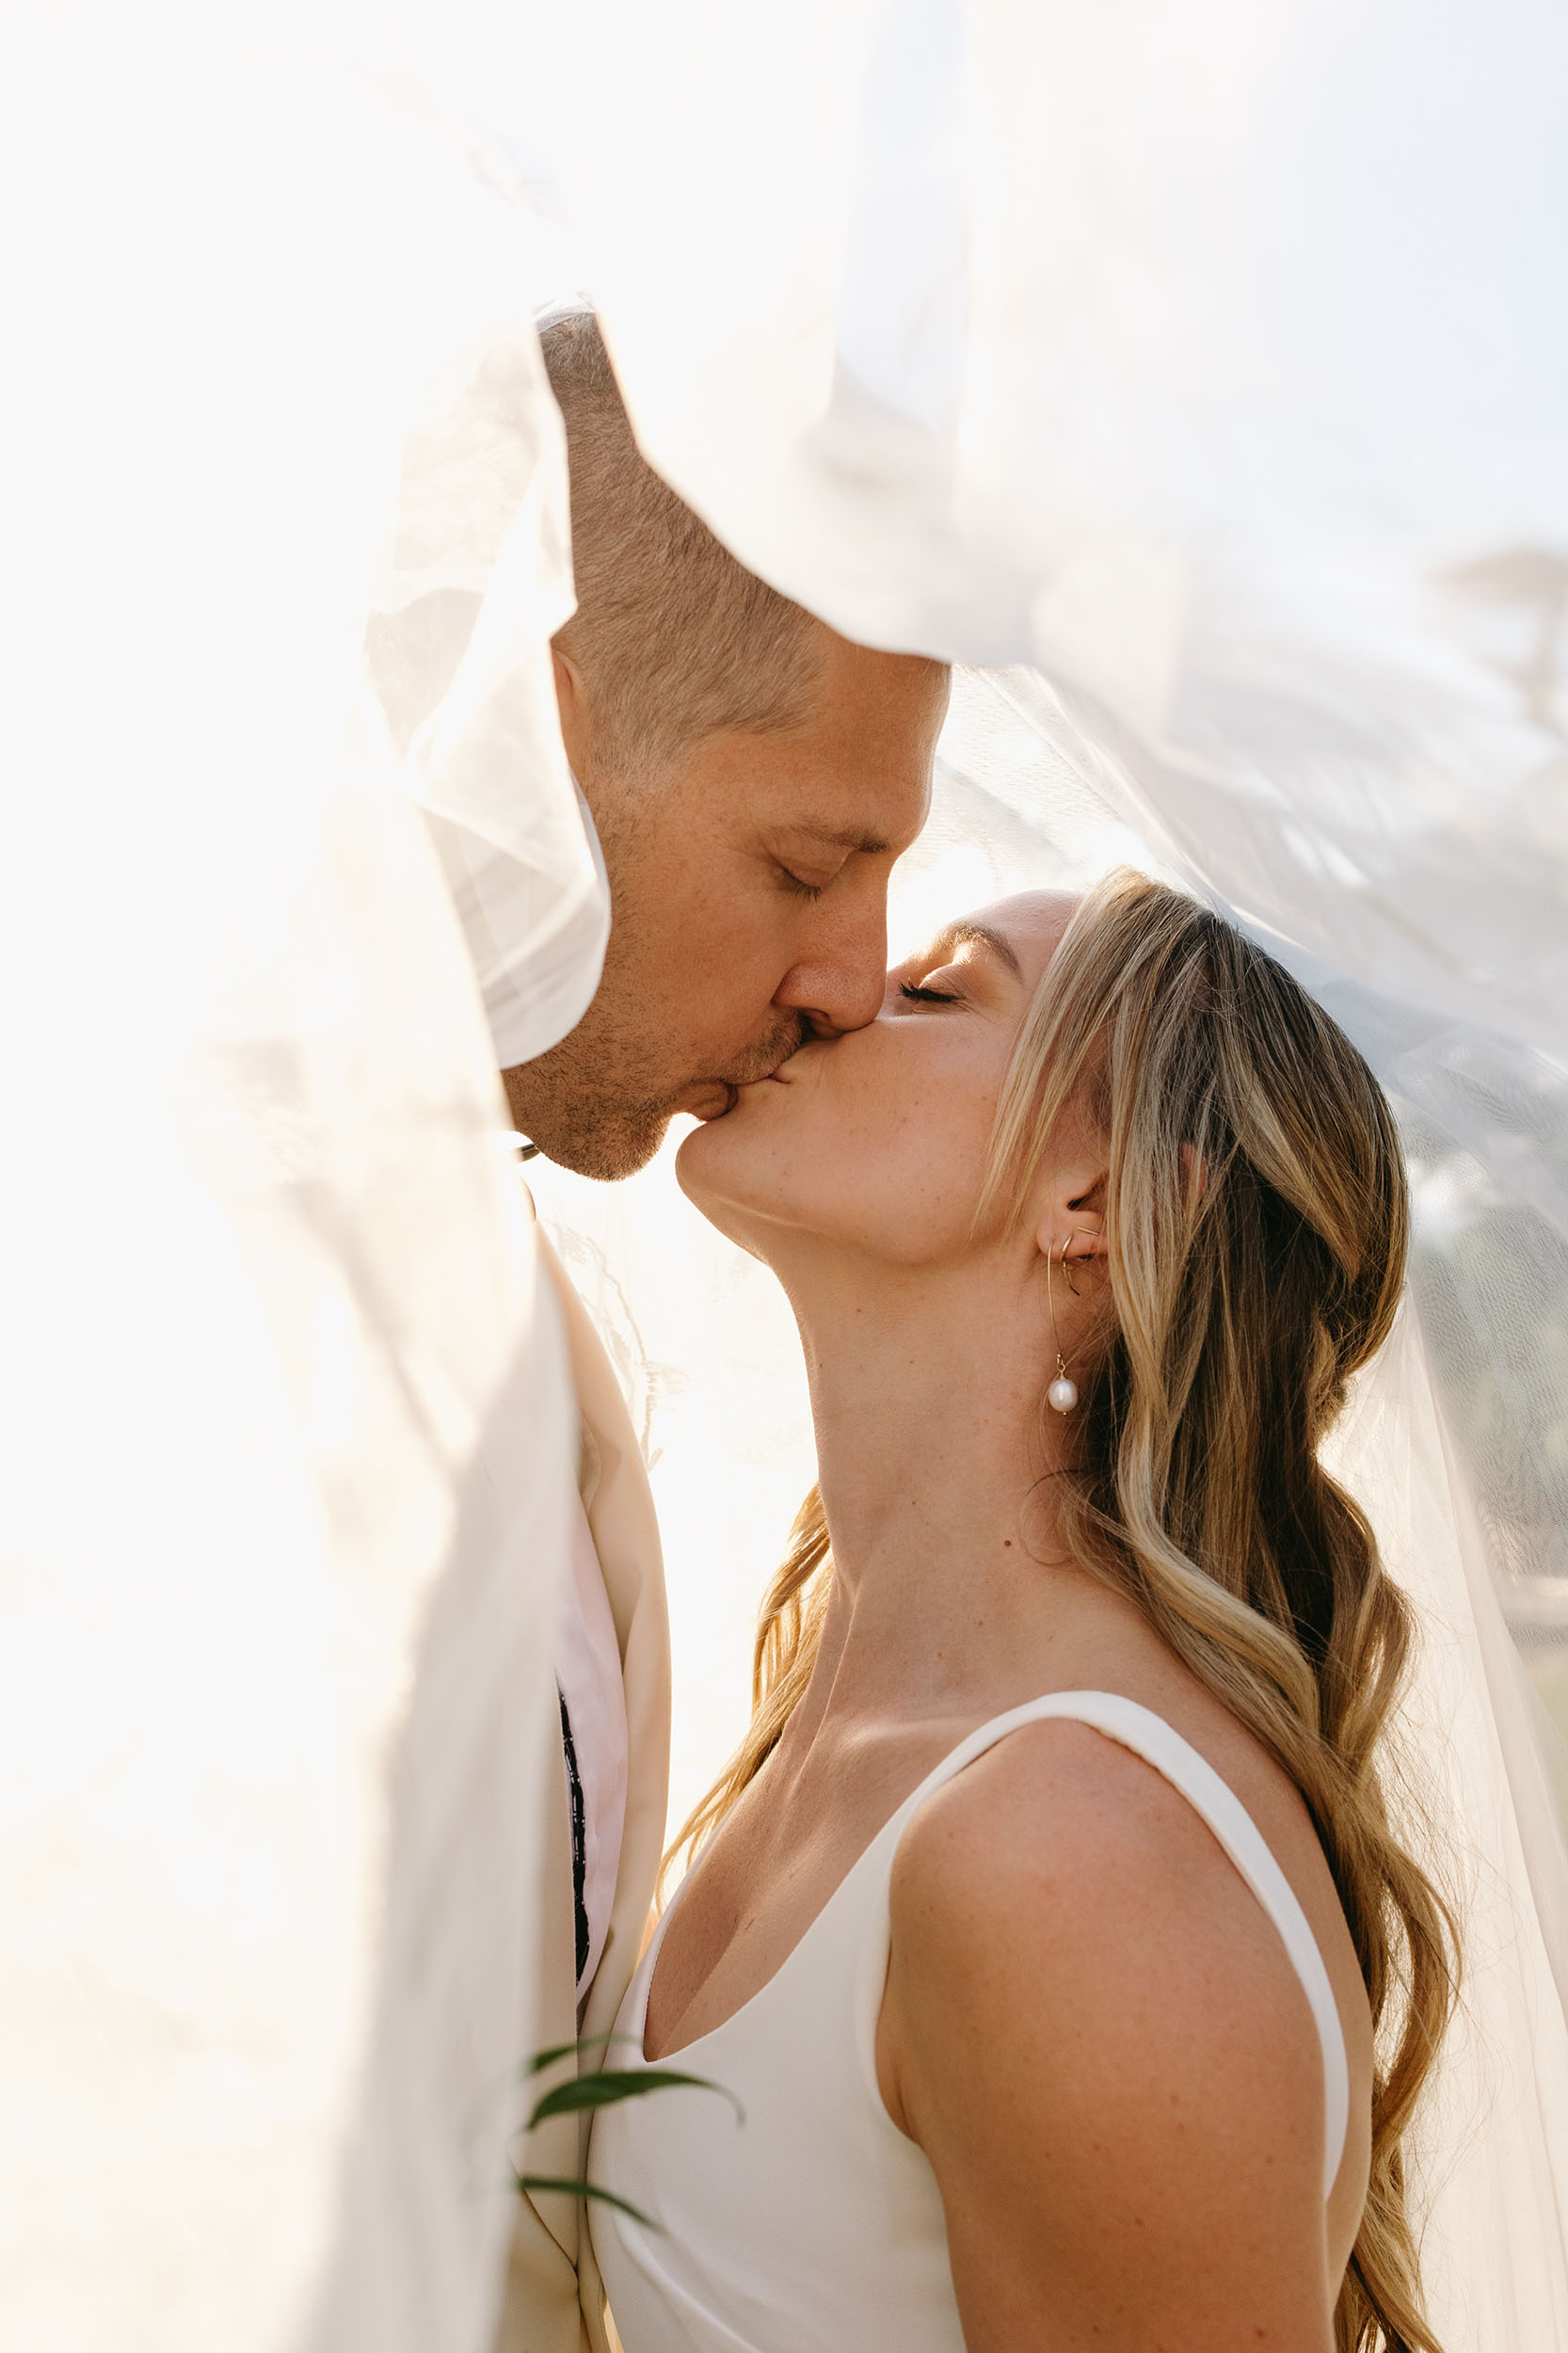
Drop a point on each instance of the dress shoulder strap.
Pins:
(1159, 1744)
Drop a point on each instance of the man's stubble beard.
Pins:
(561, 1103)
(599, 1103)
(586, 1105)
(591, 1103)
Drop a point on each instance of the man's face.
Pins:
(748, 890)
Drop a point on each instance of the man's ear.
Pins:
(571, 702)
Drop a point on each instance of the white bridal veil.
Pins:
(1195, 375)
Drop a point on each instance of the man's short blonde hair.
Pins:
(676, 640)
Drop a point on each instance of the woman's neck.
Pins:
(934, 1464)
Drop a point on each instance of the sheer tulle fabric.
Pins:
(288, 1441)
(457, 655)
(1198, 372)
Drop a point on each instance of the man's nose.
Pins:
(838, 984)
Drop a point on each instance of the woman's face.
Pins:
(877, 1139)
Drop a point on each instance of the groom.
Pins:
(751, 777)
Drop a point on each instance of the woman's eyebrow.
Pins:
(977, 935)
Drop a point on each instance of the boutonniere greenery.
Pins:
(600, 2088)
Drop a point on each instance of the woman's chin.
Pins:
(715, 1167)
(701, 1154)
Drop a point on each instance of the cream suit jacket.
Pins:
(552, 2301)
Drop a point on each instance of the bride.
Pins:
(1048, 1933)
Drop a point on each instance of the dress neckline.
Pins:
(973, 1744)
(650, 1958)
(1150, 1737)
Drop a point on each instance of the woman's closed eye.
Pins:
(927, 996)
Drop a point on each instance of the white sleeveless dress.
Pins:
(810, 2224)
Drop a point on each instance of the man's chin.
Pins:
(615, 1145)
(596, 1134)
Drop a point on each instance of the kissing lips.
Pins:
(735, 1088)
(763, 1064)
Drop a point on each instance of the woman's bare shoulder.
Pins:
(1061, 1871)
(1063, 1829)
(1082, 1846)
(1094, 2031)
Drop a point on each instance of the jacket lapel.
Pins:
(619, 1505)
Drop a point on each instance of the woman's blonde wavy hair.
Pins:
(1257, 1214)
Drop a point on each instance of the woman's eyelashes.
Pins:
(927, 996)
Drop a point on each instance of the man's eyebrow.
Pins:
(978, 936)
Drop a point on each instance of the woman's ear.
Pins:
(1071, 1218)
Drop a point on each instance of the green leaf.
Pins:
(531, 2182)
(541, 2060)
(601, 2090)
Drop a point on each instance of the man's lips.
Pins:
(734, 1088)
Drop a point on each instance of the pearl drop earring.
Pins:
(1062, 1394)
